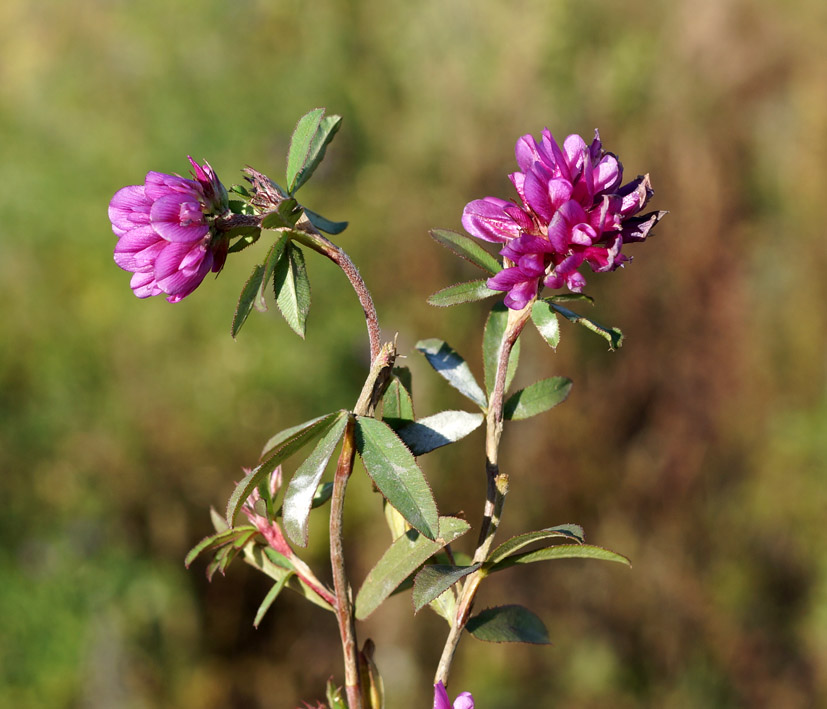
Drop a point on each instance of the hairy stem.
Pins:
(344, 601)
(497, 489)
(374, 388)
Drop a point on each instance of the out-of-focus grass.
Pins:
(697, 449)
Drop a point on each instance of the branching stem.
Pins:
(497, 489)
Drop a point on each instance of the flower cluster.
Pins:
(573, 209)
(165, 231)
(442, 701)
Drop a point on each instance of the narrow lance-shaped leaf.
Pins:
(508, 624)
(466, 248)
(246, 299)
(438, 430)
(325, 225)
(298, 498)
(561, 551)
(397, 405)
(545, 320)
(573, 532)
(280, 453)
(216, 540)
(468, 292)
(270, 261)
(570, 298)
(307, 146)
(492, 340)
(271, 596)
(400, 560)
(282, 436)
(537, 398)
(432, 581)
(611, 334)
(447, 363)
(393, 469)
(292, 288)
(254, 555)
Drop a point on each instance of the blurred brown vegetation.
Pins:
(698, 449)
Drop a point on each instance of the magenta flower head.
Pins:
(572, 210)
(166, 234)
(441, 700)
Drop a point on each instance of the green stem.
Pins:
(497, 489)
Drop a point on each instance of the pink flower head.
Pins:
(572, 210)
(165, 234)
(441, 700)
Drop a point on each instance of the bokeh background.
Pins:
(698, 449)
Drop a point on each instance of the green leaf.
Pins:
(246, 299)
(269, 265)
(466, 248)
(282, 436)
(508, 624)
(284, 217)
(323, 493)
(397, 405)
(393, 469)
(248, 237)
(546, 323)
(536, 398)
(562, 551)
(468, 292)
(492, 341)
(448, 364)
(438, 430)
(570, 298)
(300, 493)
(279, 559)
(400, 560)
(325, 225)
(217, 520)
(217, 540)
(611, 334)
(292, 288)
(432, 581)
(280, 453)
(567, 531)
(334, 697)
(307, 146)
(254, 555)
(271, 596)
(225, 554)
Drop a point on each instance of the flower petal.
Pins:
(487, 220)
(441, 700)
(526, 152)
(178, 218)
(521, 294)
(464, 701)
(128, 207)
(159, 184)
(144, 285)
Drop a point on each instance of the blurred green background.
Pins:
(698, 449)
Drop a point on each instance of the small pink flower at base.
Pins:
(572, 210)
(164, 230)
(441, 700)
